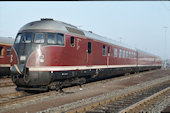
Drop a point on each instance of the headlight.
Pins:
(11, 59)
(42, 58)
(22, 58)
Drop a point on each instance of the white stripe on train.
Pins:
(67, 68)
(5, 65)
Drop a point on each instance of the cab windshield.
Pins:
(40, 38)
(55, 39)
(24, 38)
(18, 38)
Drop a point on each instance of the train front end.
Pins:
(31, 55)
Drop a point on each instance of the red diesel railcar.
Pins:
(5, 54)
(50, 54)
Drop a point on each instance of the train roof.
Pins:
(147, 53)
(6, 40)
(55, 25)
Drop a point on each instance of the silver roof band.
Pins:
(55, 25)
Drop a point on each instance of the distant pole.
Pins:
(120, 39)
(8, 39)
(165, 27)
(79, 26)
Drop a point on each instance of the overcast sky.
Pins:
(139, 24)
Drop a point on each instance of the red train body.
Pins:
(50, 54)
(5, 54)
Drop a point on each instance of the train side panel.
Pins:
(5, 53)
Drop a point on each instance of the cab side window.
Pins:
(60, 39)
(104, 50)
(51, 38)
(89, 47)
(55, 38)
(72, 41)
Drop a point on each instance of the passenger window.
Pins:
(60, 39)
(120, 53)
(8, 51)
(39, 38)
(72, 41)
(51, 38)
(18, 38)
(115, 52)
(26, 38)
(129, 54)
(1, 51)
(104, 50)
(89, 47)
(126, 54)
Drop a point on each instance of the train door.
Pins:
(137, 58)
(89, 53)
(108, 55)
(2, 51)
(8, 54)
(104, 60)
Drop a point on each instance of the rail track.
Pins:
(22, 97)
(149, 103)
(128, 102)
(19, 98)
(2, 79)
(6, 84)
(6, 98)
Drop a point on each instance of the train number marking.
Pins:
(78, 40)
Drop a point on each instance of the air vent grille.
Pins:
(72, 30)
(46, 19)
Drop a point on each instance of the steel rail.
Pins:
(29, 98)
(6, 84)
(15, 94)
(139, 105)
(88, 107)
